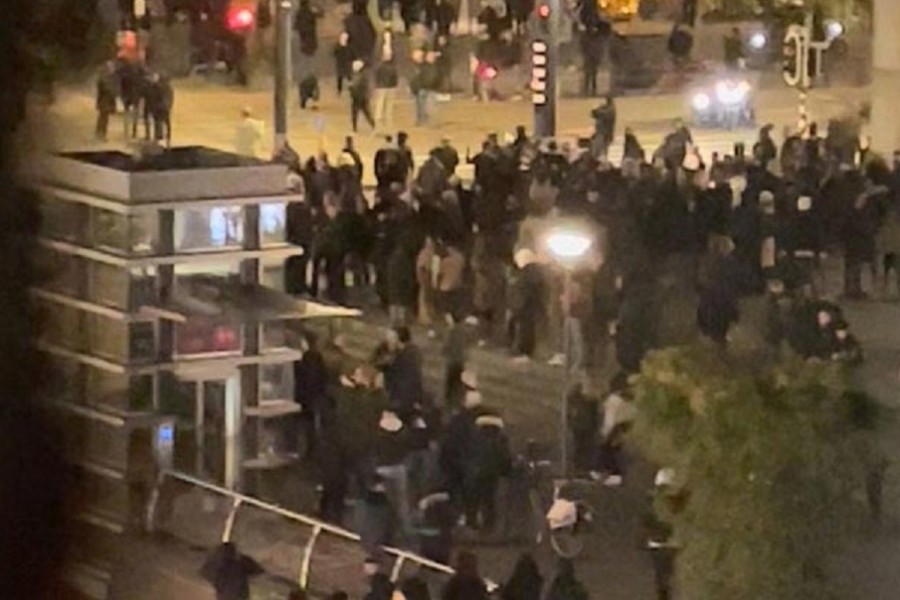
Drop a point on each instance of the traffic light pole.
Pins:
(544, 65)
(282, 71)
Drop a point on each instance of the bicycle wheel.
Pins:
(566, 542)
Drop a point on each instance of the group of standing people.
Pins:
(144, 96)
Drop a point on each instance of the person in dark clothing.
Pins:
(360, 95)
(681, 44)
(764, 150)
(593, 46)
(343, 61)
(528, 305)
(487, 460)
(311, 389)
(159, 100)
(604, 127)
(565, 586)
(403, 371)
(361, 34)
(229, 572)
(455, 353)
(380, 587)
(107, 93)
(718, 305)
(414, 588)
(306, 26)
(466, 583)
(525, 583)
(442, 17)
(406, 151)
(734, 50)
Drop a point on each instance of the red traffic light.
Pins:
(240, 18)
(543, 11)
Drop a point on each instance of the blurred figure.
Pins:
(466, 583)
(107, 93)
(526, 582)
(386, 82)
(249, 135)
(565, 585)
(360, 95)
(343, 61)
(229, 572)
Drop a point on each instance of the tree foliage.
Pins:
(773, 463)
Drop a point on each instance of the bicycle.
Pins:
(560, 518)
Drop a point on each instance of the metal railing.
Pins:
(400, 557)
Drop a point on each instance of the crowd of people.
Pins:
(682, 246)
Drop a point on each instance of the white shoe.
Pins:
(432, 334)
(596, 475)
(613, 481)
(472, 320)
(522, 359)
(557, 360)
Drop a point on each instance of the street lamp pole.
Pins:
(282, 71)
(568, 247)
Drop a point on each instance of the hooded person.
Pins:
(525, 583)
(486, 459)
(455, 441)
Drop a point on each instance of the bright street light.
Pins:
(567, 245)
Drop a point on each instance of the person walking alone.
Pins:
(360, 95)
(386, 82)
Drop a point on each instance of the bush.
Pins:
(773, 462)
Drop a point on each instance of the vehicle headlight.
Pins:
(833, 29)
(701, 102)
(758, 40)
(731, 92)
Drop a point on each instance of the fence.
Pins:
(240, 502)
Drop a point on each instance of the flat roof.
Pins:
(183, 158)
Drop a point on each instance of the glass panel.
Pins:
(142, 345)
(209, 228)
(143, 233)
(276, 382)
(274, 335)
(107, 338)
(61, 220)
(62, 272)
(143, 287)
(202, 336)
(108, 285)
(122, 392)
(62, 326)
(272, 223)
(109, 231)
(66, 380)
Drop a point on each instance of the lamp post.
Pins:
(568, 247)
(283, 14)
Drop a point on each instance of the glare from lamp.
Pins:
(758, 40)
(701, 102)
(569, 245)
(833, 30)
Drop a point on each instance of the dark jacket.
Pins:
(386, 75)
(403, 378)
(525, 583)
(343, 60)
(229, 572)
(488, 456)
(306, 26)
(363, 36)
(360, 90)
(107, 92)
(460, 588)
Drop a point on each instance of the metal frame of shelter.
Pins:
(400, 557)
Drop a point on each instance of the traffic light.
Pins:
(240, 17)
(544, 14)
(794, 57)
(540, 63)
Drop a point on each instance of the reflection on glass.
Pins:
(205, 336)
(209, 228)
(272, 223)
(276, 382)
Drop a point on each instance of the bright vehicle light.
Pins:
(730, 92)
(758, 40)
(701, 102)
(833, 29)
(568, 245)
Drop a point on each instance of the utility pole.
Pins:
(283, 14)
(544, 62)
